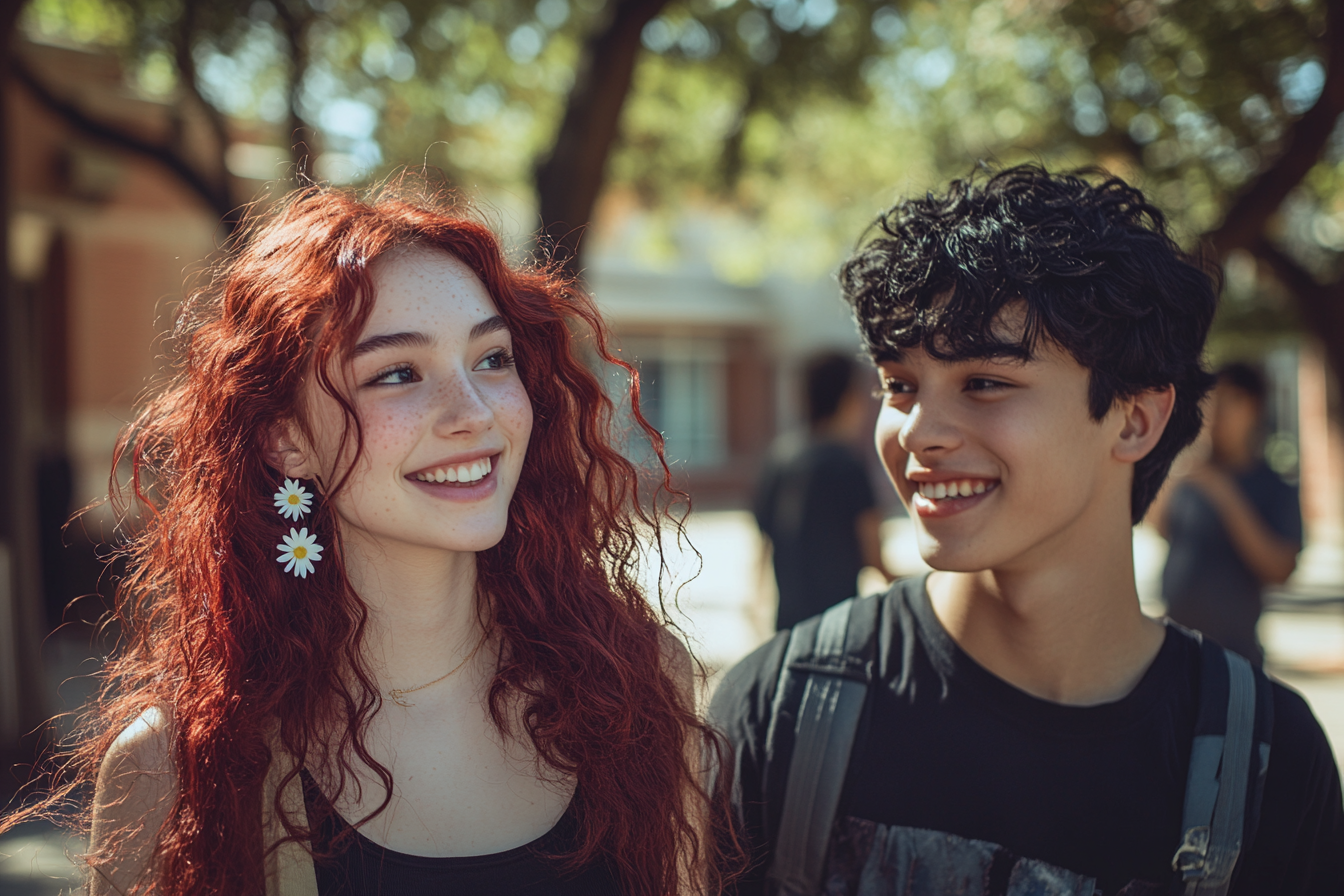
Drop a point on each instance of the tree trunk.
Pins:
(22, 707)
(569, 180)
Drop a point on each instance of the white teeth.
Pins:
(472, 472)
(960, 489)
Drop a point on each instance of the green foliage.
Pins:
(95, 22)
(781, 125)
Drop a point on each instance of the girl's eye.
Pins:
(396, 376)
(980, 384)
(894, 387)
(496, 360)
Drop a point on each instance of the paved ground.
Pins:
(728, 610)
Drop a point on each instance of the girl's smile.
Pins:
(469, 478)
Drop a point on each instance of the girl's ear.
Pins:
(1146, 416)
(287, 451)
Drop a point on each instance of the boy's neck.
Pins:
(1070, 631)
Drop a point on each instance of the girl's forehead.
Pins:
(425, 283)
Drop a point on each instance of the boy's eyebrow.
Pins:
(993, 351)
(392, 340)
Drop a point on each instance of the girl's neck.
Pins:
(423, 616)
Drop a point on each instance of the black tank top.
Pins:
(363, 868)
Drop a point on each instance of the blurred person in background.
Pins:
(815, 503)
(1234, 526)
(449, 679)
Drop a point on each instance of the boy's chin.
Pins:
(952, 558)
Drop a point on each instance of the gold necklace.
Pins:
(397, 693)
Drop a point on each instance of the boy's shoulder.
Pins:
(746, 694)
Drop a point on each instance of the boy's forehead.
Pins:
(1003, 352)
(939, 330)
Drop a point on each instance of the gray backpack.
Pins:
(823, 687)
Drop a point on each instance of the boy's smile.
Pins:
(998, 459)
(936, 496)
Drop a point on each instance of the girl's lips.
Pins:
(462, 491)
(936, 508)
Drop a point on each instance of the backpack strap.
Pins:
(835, 657)
(1224, 785)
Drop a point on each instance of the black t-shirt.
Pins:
(808, 503)
(1206, 584)
(960, 782)
(361, 867)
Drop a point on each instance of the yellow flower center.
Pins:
(293, 499)
(300, 552)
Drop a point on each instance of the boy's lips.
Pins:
(947, 497)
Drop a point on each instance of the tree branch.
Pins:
(569, 180)
(1244, 224)
(213, 195)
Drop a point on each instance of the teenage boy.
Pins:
(1013, 724)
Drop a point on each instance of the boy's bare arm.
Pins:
(1269, 555)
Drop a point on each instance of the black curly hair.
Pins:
(1090, 261)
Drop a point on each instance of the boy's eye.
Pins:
(496, 360)
(395, 376)
(894, 387)
(981, 384)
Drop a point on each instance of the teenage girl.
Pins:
(383, 632)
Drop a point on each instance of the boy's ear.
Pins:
(287, 451)
(1145, 419)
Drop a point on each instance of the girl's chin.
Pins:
(424, 541)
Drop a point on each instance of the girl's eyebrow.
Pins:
(416, 339)
(489, 325)
(392, 340)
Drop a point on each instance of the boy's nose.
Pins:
(926, 429)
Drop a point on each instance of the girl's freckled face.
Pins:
(433, 381)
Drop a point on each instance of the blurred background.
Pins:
(703, 165)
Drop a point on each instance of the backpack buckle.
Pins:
(1193, 851)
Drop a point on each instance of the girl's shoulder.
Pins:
(131, 800)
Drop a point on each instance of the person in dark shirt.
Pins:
(1233, 525)
(1026, 729)
(815, 504)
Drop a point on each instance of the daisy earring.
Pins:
(293, 500)
(299, 552)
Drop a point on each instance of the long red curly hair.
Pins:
(237, 654)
